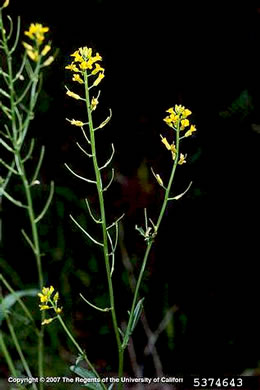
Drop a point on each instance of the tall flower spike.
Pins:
(83, 64)
(36, 33)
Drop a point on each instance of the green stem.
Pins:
(150, 243)
(80, 350)
(18, 136)
(104, 224)
(7, 356)
(37, 253)
(19, 350)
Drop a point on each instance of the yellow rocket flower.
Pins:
(98, 79)
(36, 32)
(76, 77)
(191, 130)
(47, 321)
(49, 302)
(73, 95)
(76, 123)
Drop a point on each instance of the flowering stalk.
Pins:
(19, 109)
(49, 302)
(177, 121)
(82, 66)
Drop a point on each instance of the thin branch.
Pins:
(29, 154)
(111, 180)
(38, 167)
(177, 197)
(10, 28)
(105, 121)
(112, 254)
(47, 204)
(91, 214)
(28, 240)
(110, 158)
(6, 146)
(14, 201)
(17, 35)
(78, 176)
(94, 306)
(87, 234)
(85, 135)
(83, 150)
(8, 167)
(20, 71)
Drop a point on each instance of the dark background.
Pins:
(205, 259)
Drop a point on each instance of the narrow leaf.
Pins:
(10, 299)
(137, 313)
(88, 375)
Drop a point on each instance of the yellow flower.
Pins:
(58, 310)
(6, 3)
(184, 123)
(46, 293)
(171, 111)
(94, 103)
(49, 61)
(179, 109)
(96, 58)
(98, 79)
(56, 297)
(85, 51)
(166, 143)
(33, 54)
(43, 298)
(72, 67)
(73, 95)
(36, 32)
(191, 130)
(76, 123)
(76, 77)
(77, 56)
(97, 69)
(159, 180)
(168, 121)
(86, 64)
(48, 321)
(186, 113)
(46, 50)
(182, 159)
(44, 307)
(27, 46)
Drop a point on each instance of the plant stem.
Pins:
(37, 254)
(19, 350)
(19, 131)
(150, 243)
(104, 224)
(7, 356)
(92, 368)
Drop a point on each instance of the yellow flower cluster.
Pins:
(83, 62)
(177, 118)
(36, 34)
(48, 302)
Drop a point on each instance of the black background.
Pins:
(157, 54)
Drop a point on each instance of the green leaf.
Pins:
(86, 374)
(137, 314)
(10, 299)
